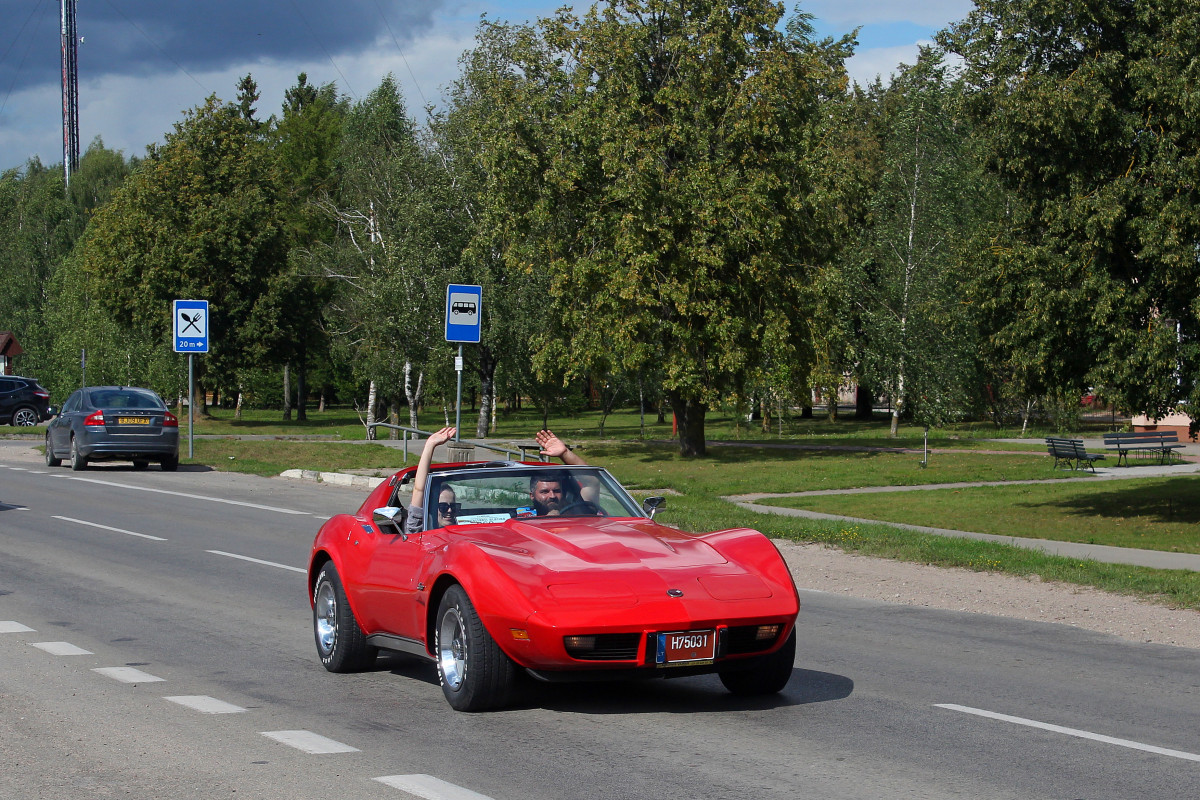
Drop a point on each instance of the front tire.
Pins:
(341, 644)
(768, 676)
(51, 461)
(78, 460)
(474, 672)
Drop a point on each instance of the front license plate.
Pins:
(133, 420)
(686, 647)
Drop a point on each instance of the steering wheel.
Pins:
(586, 507)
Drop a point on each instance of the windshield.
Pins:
(124, 398)
(494, 495)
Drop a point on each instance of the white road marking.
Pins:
(309, 742)
(430, 788)
(38, 472)
(275, 509)
(107, 528)
(18, 469)
(128, 675)
(12, 626)
(1097, 737)
(256, 560)
(205, 704)
(62, 649)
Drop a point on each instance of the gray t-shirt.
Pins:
(415, 521)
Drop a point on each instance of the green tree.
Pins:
(1092, 125)
(661, 174)
(199, 219)
(916, 339)
(388, 260)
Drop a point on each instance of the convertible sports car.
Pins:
(588, 590)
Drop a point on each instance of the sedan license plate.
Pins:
(686, 647)
(133, 420)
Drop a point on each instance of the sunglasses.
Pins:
(449, 509)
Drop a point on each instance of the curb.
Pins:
(333, 478)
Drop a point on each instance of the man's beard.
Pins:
(542, 509)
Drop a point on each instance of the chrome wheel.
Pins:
(340, 641)
(325, 618)
(452, 648)
(25, 418)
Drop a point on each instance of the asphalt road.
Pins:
(155, 642)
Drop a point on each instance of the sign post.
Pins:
(464, 316)
(191, 337)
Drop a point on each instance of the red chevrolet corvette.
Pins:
(590, 589)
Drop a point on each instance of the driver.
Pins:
(549, 493)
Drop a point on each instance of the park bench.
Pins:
(1158, 444)
(1071, 451)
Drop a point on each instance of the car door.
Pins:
(391, 575)
(59, 430)
(8, 393)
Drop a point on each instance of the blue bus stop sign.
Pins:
(191, 326)
(464, 313)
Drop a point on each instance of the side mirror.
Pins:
(51, 411)
(390, 517)
(652, 505)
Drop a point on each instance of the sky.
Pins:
(142, 63)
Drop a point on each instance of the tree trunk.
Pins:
(689, 420)
(394, 417)
(371, 399)
(863, 402)
(287, 392)
(301, 392)
(237, 411)
(413, 396)
(487, 383)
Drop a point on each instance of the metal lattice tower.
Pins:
(70, 90)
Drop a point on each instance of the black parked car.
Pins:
(23, 401)
(114, 423)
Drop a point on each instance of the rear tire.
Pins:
(170, 464)
(25, 417)
(474, 672)
(341, 644)
(769, 676)
(78, 461)
(139, 464)
(51, 461)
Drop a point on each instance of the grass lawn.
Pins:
(1150, 513)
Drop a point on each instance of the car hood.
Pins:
(568, 545)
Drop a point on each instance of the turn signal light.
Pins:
(767, 632)
(94, 418)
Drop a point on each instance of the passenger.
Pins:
(447, 510)
(549, 493)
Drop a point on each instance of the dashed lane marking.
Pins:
(256, 561)
(205, 704)
(241, 503)
(430, 788)
(128, 675)
(108, 528)
(62, 649)
(309, 742)
(12, 626)
(1096, 737)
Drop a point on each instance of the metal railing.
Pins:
(417, 434)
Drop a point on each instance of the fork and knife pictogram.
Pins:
(191, 322)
